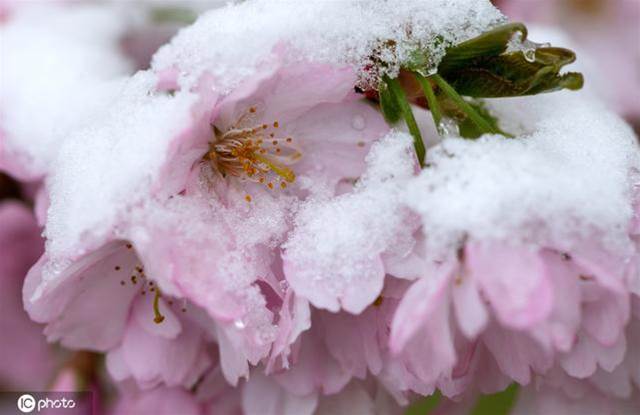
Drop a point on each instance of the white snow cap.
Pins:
(337, 243)
(108, 166)
(565, 177)
(230, 42)
(56, 64)
(106, 163)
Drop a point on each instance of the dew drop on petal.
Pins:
(358, 122)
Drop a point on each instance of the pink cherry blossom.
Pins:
(240, 160)
(237, 230)
(561, 311)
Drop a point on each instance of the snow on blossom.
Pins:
(112, 159)
(59, 65)
(567, 177)
(238, 229)
(346, 32)
(334, 255)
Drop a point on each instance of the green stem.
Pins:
(464, 106)
(434, 106)
(400, 97)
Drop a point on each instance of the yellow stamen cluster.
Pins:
(256, 153)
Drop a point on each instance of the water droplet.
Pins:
(239, 324)
(448, 127)
(529, 55)
(284, 285)
(358, 122)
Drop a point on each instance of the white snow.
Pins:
(566, 177)
(230, 42)
(56, 62)
(108, 166)
(337, 243)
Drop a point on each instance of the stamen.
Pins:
(239, 151)
(159, 318)
(281, 171)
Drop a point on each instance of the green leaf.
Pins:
(388, 104)
(425, 405)
(179, 15)
(497, 404)
(511, 74)
(491, 43)
(483, 67)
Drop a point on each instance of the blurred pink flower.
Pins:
(160, 401)
(527, 307)
(27, 359)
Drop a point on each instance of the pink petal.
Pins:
(470, 310)
(263, 396)
(86, 306)
(514, 280)
(415, 309)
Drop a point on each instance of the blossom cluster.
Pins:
(237, 224)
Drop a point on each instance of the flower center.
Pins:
(257, 153)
